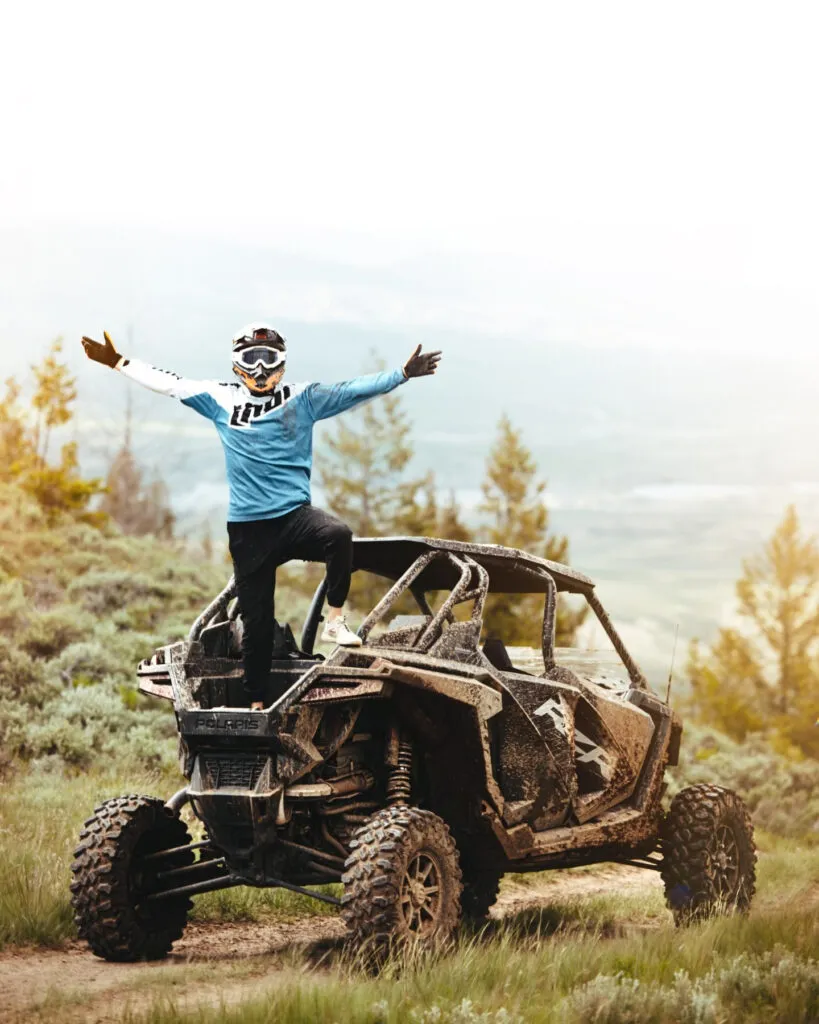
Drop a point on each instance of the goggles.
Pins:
(259, 355)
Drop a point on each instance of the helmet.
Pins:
(259, 354)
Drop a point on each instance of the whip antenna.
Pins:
(673, 656)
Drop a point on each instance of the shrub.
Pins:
(21, 677)
(87, 661)
(782, 794)
(93, 723)
(48, 633)
(104, 592)
(13, 606)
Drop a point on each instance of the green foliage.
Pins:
(58, 488)
(517, 517)
(764, 674)
(106, 591)
(79, 607)
(363, 473)
(757, 971)
(362, 469)
(49, 632)
(781, 793)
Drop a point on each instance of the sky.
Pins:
(596, 173)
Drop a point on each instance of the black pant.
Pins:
(257, 549)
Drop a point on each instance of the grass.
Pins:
(258, 904)
(748, 971)
(41, 814)
(611, 957)
(40, 819)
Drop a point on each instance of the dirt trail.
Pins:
(216, 963)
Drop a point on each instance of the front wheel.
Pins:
(709, 855)
(114, 873)
(403, 879)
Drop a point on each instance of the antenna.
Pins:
(671, 669)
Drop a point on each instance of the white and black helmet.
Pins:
(259, 354)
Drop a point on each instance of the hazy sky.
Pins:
(601, 172)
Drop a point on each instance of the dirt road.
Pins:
(230, 962)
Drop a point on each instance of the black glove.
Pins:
(101, 353)
(419, 365)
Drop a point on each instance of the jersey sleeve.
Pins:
(197, 394)
(325, 400)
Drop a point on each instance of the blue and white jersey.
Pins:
(267, 440)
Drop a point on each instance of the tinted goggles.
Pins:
(259, 355)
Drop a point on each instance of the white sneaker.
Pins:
(338, 632)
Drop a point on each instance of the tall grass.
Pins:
(41, 814)
(40, 819)
(748, 971)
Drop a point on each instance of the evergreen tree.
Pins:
(450, 524)
(16, 446)
(53, 397)
(516, 516)
(362, 471)
(139, 508)
(24, 447)
(764, 675)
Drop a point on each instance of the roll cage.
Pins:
(468, 572)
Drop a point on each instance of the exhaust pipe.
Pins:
(356, 782)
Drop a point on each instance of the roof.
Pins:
(510, 571)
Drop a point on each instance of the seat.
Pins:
(495, 652)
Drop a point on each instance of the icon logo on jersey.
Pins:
(246, 414)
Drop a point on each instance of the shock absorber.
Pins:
(399, 783)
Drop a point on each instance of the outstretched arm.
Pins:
(330, 399)
(194, 393)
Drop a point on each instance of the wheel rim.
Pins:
(725, 868)
(421, 893)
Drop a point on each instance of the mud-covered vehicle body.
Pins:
(416, 769)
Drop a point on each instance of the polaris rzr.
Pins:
(415, 770)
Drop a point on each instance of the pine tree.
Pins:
(764, 675)
(516, 516)
(24, 447)
(54, 395)
(140, 509)
(16, 446)
(450, 524)
(363, 474)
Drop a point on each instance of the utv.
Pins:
(414, 770)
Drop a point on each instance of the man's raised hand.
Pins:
(421, 364)
(100, 353)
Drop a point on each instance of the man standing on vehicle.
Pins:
(266, 430)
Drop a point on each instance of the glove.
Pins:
(106, 353)
(419, 365)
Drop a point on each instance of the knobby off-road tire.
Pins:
(111, 881)
(480, 893)
(709, 856)
(402, 880)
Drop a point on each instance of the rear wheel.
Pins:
(709, 855)
(403, 880)
(113, 877)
